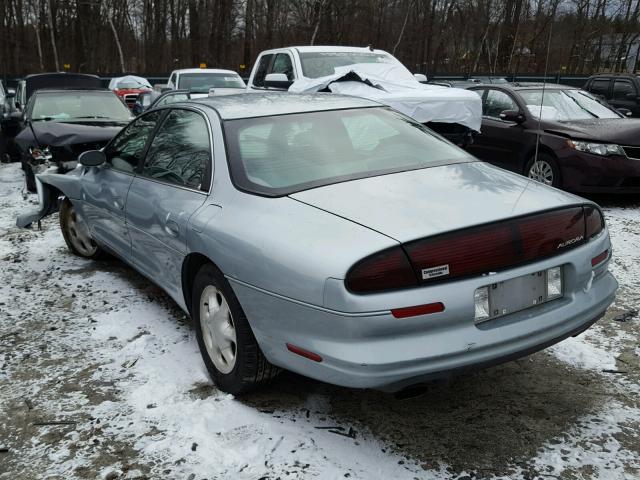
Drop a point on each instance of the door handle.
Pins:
(172, 228)
(117, 202)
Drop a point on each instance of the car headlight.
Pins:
(596, 148)
(41, 155)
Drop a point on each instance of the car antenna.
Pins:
(544, 84)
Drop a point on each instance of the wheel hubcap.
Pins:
(218, 329)
(79, 235)
(542, 172)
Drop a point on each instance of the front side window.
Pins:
(283, 154)
(78, 106)
(202, 82)
(282, 64)
(497, 102)
(565, 105)
(622, 88)
(126, 150)
(600, 86)
(261, 71)
(180, 152)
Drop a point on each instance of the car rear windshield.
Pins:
(321, 64)
(71, 106)
(565, 105)
(279, 155)
(202, 82)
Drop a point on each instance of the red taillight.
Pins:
(599, 258)
(477, 250)
(594, 221)
(386, 270)
(304, 353)
(497, 246)
(418, 310)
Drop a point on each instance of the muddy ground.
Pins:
(100, 378)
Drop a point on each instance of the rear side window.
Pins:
(127, 148)
(180, 152)
(622, 88)
(600, 86)
(261, 71)
(497, 102)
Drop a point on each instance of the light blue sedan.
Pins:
(336, 238)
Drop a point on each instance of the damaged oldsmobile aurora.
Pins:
(337, 238)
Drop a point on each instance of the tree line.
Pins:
(429, 36)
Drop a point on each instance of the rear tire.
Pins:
(544, 170)
(227, 344)
(76, 233)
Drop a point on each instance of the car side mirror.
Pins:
(512, 116)
(277, 80)
(212, 91)
(422, 78)
(92, 158)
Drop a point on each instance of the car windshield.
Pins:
(283, 154)
(321, 64)
(203, 81)
(79, 106)
(565, 105)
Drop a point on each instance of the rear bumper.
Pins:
(583, 172)
(375, 350)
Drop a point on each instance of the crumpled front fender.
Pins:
(50, 187)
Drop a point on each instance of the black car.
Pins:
(58, 125)
(584, 145)
(622, 91)
(31, 83)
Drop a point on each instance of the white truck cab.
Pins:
(202, 82)
(374, 74)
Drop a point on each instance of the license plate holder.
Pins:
(517, 294)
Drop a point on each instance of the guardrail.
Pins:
(11, 81)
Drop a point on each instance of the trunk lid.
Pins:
(420, 203)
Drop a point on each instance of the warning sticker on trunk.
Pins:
(433, 272)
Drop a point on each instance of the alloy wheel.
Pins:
(541, 171)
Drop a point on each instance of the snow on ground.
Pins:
(100, 377)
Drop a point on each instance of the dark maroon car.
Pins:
(585, 145)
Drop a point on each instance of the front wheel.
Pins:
(227, 344)
(544, 169)
(76, 233)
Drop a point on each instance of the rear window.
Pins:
(283, 154)
(202, 82)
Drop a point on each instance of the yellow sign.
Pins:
(242, 66)
(203, 65)
(66, 66)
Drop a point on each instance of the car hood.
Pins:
(59, 134)
(624, 131)
(410, 205)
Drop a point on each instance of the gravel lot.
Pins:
(100, 377)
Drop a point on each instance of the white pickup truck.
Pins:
(375, 74)
(202, 82)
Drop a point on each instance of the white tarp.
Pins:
(392, 85)
(131, 81)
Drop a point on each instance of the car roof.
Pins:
(204, 70)
(326, 48)
(250, 105)
(71, 90)
(516, 86)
